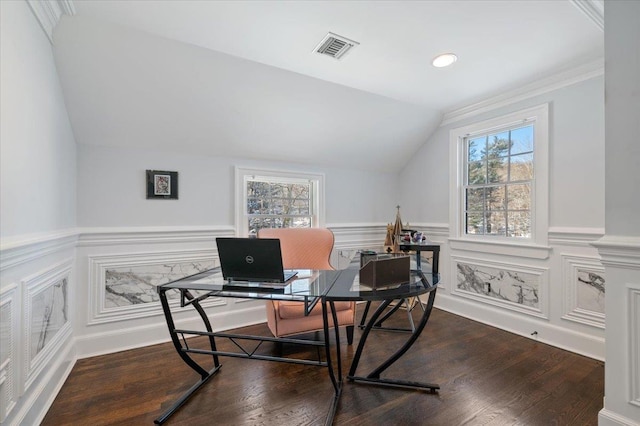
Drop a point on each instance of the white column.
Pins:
(620, 247)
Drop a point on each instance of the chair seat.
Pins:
(305, 248)
(288, 310)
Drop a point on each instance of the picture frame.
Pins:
(162, 184)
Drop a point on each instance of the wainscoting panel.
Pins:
(584, 281)
(37, 307)
(123, 286)
(620, 256)
(510, 286)
(543, 293)
(47, 318)
(349, 236)
(8, 350)
(120, 269)
(634, 342)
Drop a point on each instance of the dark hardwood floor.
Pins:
(487, 377)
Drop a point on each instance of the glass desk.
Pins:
(309, 288)
(347, 287)
(410, 302)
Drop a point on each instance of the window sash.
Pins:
(481, 152)
(281, 208)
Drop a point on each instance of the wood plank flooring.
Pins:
(487, 377)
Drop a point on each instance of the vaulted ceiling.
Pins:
(241, 78)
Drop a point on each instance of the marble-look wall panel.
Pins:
(46, 317)
(585, 286)
(49, 313)
(511, 286)
(124, 286)
(132, 285)
(590, 290)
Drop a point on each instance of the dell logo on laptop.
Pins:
(249, 259)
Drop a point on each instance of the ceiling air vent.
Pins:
(335, 46)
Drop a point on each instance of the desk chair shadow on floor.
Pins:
(305, 248)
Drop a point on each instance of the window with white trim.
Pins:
(501, 178)
(277, 199)
(498, 176)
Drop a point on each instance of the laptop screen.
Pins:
(252, 259)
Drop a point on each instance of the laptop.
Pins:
(252, 259)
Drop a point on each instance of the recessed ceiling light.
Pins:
(444, 60)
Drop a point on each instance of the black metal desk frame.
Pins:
(338, 290)
(182, 347)
(406, 247)
(417, 286)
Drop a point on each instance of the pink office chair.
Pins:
(305, 248)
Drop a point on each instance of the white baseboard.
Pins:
(547, 333)
(609, 418)
(38, 399)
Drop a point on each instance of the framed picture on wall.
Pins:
(162, 185)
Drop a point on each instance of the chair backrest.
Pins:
(303, 248)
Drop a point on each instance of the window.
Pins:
(500, 179)
(272, 199)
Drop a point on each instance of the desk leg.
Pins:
(374, 376)
(378, 325)
(337, 382)
(204, 374)
(364, 315)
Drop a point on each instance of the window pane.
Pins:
(520, 224)
(279, 206)
(475, 199)
(255, 206)
(495, 196)
(496, 224)
(300, 207)
(519, 197)
(521, 167)
(475, 223)
(522, 140)
(258, 189)
(476, 148)
(498, 145)
(301, 222)
(497, 169)
(477, 173)
(257, 223)
(278, 190)
(299, 191)
(499, 175)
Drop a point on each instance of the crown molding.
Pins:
(539, 87)
(49, 12)
(593, 9)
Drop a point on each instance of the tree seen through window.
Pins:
(273, 204)
(499, 176)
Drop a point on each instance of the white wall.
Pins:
(112, 191)
(130, 88)
(37, 149)
(576, 159)
(576, 218)
(37, 220)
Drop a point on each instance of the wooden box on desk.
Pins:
(383, 271)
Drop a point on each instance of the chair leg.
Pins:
(350, 334)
